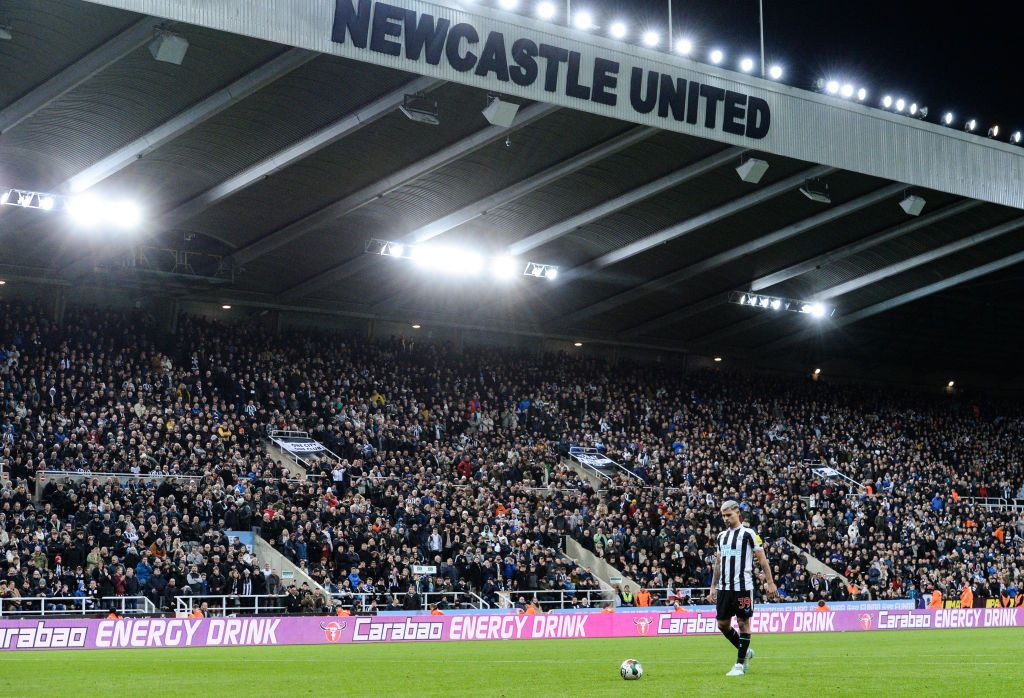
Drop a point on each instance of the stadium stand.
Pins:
(455, 461)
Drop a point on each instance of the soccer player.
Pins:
(732, 583)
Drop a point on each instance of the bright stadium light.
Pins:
(583, 20)
(971, 125)
(651, 38)
(617, 30)
(546, 10)
(504, 268)
(46, 202)
(1015, 137)
(901, 104)
(716, 56)
(887, 102)
(775, 72)
(747, 64)
(124, 214)
(846, 91)
(85, 210)
(993, 131)
(913, 109)
(862, 94)
(947, 118)
(551, 273)
(508, 4)
(812, 308)
(684, 46)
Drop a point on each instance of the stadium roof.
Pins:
(271, 164)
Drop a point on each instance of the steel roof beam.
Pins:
(212, 105)
(368, 194)
(671, 233)
(673, 179)
(831, 257)
(918, 293)
(78, 72)
(751, 247)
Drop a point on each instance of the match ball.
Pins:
(631, 670)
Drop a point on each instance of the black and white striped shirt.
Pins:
(736, 552)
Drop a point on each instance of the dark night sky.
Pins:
(957, 57)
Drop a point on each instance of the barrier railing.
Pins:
(74, 605)
(45, 476)
(465, 598)
(228, 604)
(996, 503)
(552, 599)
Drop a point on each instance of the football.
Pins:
(631, 670)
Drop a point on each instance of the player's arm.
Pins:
(770, 587)
(716, 572)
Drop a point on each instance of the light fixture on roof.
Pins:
(504, 268)
(420, 108)
(718, 359)
(541, 271)
(817, 371)
(416, 327)
(901, 104)
(6, 32)
(651, 38)
(887, 102)
(617, 30)
(577, 344)
(752, 170)
(168, 47)
(1015, 137)
(583, 20)
(716, 56)
(862, 94)
(950, 384)
(993, 131)
(746, 64)
(762, 302)
(947, 118)
(2, 282)
(971, 125)
(546, 10)
(499, 112)
(684, 46)
(846, 91)
(226, 307)
(912, 204)
(816, 190)
(775, 72)
(508, 4)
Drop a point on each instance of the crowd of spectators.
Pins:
(454, 460)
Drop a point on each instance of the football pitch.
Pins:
(919, 663)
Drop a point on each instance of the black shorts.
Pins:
(734, 603)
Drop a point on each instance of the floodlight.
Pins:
(577, 344)
(816, 190)
(546, 10)
(950, 384)
(396, 250)
(85, 210)
(169, 47)
(499, 112)
(6, 32)
(752, 170)
(421, 109)
(832, 87)
(817, 371)
(718, 359)
(900, 104)
(46, 203)
(504, 268)
(583, 20)
(1015, 138)
(776, 304)
(971, 125)
(912, 204)
(4, 197)
(913, 109)
(124, 214)
(226, 307)
(948, 118)
(651, 38)
(775, 72)
(887, 102)
(551, 273)
(993, 132)
(508, 4)
(846, 91)
(684, 46)
(862, 94)
(617, 30)
(747, 64)
(716, 56)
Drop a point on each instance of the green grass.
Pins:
(919, 663)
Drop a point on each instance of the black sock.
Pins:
(742, 646)
(732, 636)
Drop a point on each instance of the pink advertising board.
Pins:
(29, 634)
